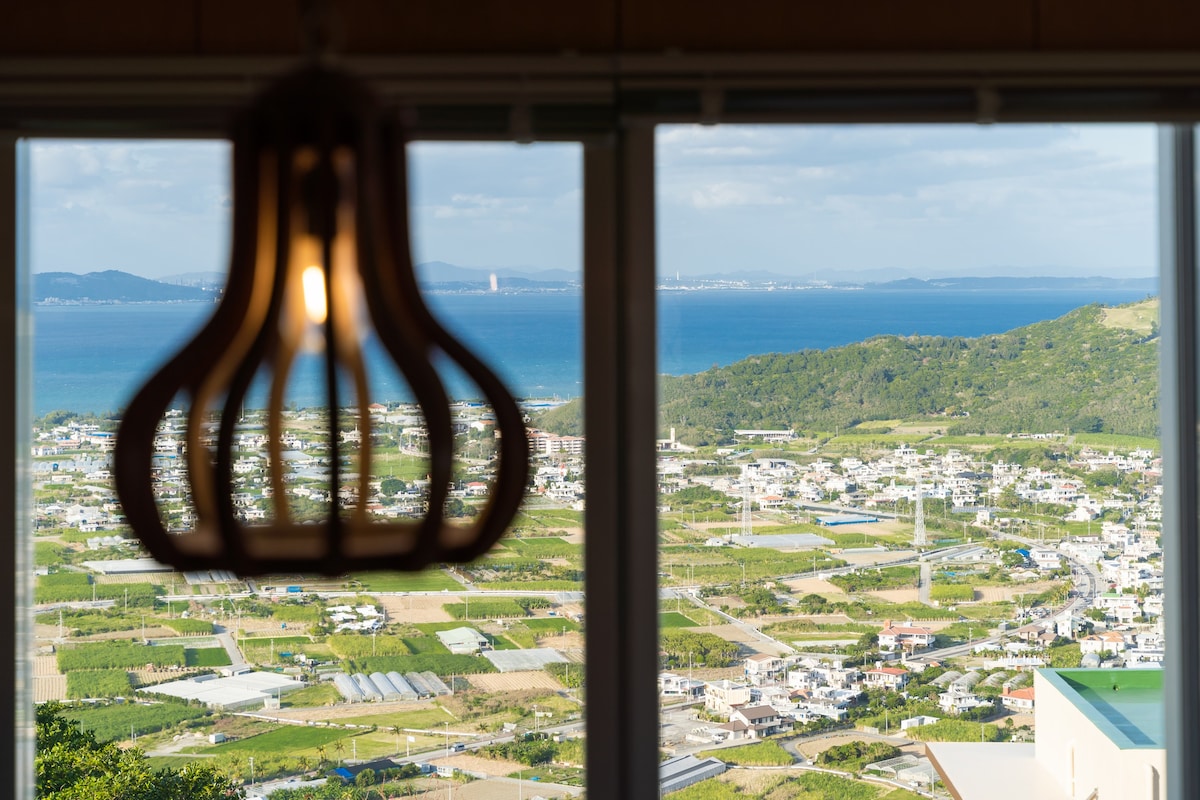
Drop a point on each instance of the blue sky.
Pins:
(823, 201)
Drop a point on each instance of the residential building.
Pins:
(890, 678)
(907, 637)
(721, 696)
(756, 722)
(763, 668)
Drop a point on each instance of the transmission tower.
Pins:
(919, 522)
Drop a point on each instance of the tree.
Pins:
(365, 778)
(390, 487)
(71, 765)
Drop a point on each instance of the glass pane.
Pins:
(909, 450)
(420, 681)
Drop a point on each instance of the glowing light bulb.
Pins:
(315, 303)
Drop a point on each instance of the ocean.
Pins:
(91, 358)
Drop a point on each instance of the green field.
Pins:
(673, 619)
(114, 722)
(322, 694)
(551, 624)
(207, 657)
(1118, 441)
(544, 547)
(288, 740)
(759, 754)
(432, 580)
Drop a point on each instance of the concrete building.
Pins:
(1100, 734)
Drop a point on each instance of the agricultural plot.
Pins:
(544, 547)
(673, 619)
(113, 722)
(118, 655)
(499, 608)
(323, 694)
(290, 740)
(355, 645)
(207, 657)
(259, 648)
(428, 581)
(759, 754)
(98, 683)
(62, 587)
(188, 627)
(551, 624)
(442, 665)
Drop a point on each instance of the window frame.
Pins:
(610, 104)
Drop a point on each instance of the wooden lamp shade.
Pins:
(320, 251)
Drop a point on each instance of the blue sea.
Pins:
(90, 358)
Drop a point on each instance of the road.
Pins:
(1086, 582)
(925, 584)
(226, 639)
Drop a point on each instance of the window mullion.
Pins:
(16, 706)
(621, 406)
(1178, 394)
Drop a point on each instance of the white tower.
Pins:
(919, 523)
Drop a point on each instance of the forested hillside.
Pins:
(1090, 370)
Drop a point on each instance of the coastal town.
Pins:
(829, 607)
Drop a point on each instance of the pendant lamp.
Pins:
(320, 266)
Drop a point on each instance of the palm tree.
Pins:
(339, 747)
(303, 763)
(396, 730)
(321, 753)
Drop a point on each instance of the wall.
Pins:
(1098, 762)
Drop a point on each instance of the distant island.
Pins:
(111, 286)
(115, 286)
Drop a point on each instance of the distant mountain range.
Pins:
(114, 286)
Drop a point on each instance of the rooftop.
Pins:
(1126, 705)
(971, 768)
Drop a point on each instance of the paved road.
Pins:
(226, 639)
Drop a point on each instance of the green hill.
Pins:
(1094, 369)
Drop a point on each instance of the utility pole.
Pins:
(919, 537)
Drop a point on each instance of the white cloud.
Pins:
(730, 194)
